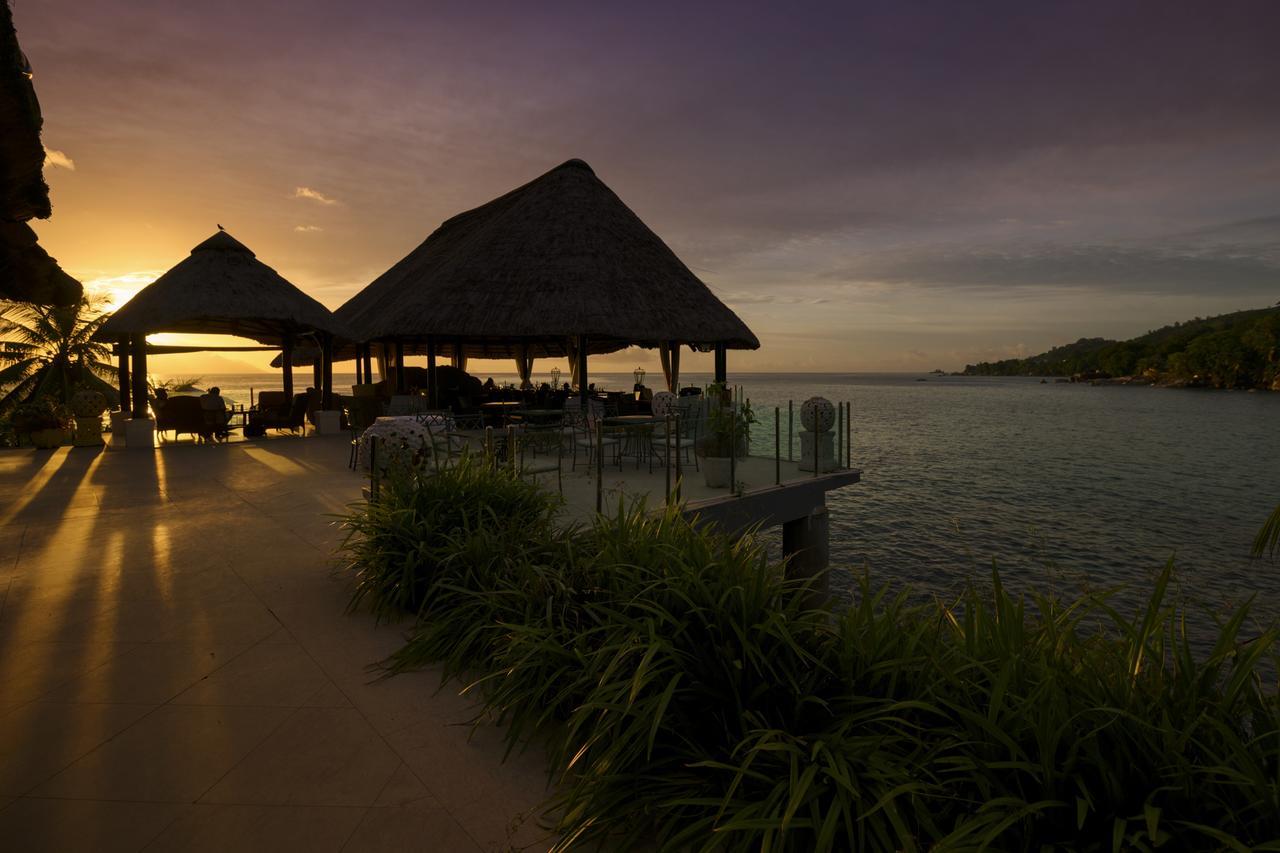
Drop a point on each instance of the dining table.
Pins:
(637, 431)
(396, 431)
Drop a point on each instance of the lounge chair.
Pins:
(293, 418)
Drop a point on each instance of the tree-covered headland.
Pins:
(1239, 350)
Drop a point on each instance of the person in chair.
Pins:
(215, 414)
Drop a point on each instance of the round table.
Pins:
(398, 431)
(500, 408)
(637, 429)
(539, 416)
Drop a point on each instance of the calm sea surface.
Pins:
(1059, 484)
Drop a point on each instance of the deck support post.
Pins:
(805, 541)
(286, 362)
(582, 372)
(367, 358)
(122, 350)
(400, 383)
(433, 392)
(139, 377)
(722, 370)
(326, 371)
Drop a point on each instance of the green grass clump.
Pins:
(689, 695)
(433, 537)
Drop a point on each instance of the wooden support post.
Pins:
(733, 449)
(368, 363)
(317, 372)
(139, 375)
(286, 362)
(122, 351)
(805, 543)
(679, 460)
(582, 371)
(400, 381)
(722, 371)
(326, 375)
(433, 394)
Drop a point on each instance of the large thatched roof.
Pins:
(27, 273)
(222, 289)
(558, 257)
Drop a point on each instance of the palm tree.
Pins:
(50, 351)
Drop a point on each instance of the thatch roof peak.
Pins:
(558, 257)
(223, 242)
(221, 288)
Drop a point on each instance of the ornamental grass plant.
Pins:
(690, 698)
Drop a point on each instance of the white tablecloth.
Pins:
(398, 432)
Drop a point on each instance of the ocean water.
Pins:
(1059, 485)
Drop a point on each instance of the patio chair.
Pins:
(684, 438)
(293, 419)
(362, 411)
(583, 432)
(539, 449)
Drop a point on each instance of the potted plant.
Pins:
(43, 422)
(728, 434)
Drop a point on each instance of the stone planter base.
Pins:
(826, 446)
(715, 470)
(118, 422)
(140, 434)
(328, 422)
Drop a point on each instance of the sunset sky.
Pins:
(871, 186)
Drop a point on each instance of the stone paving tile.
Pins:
(39, 739)
(31, 670)
(148, 673)
(174, 754)
(34, 825)
(262, 829)
(323, 756)
(410, 827)
(279, 674)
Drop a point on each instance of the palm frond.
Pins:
(1268, 539)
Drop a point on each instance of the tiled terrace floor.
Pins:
(177, 671)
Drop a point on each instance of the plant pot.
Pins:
(47, 439)
(715, 470)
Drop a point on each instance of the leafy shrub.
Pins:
(433, 536)
(688, 694)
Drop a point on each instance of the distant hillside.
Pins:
(1240, 350)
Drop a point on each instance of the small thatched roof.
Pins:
(558, 257)
(222, 289)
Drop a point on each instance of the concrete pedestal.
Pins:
(140, 434)
(118, 422)
(826, 444)
(805, 542)
(328, 422)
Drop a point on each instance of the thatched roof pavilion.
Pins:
(556, 265)
(223, 289)
(27, 273)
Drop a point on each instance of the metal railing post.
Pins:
(791, 430)
(599, 466)
(679, 461)
(733, 448)
(667, 459)
(373, 468)
(839, 448)
(777, 445)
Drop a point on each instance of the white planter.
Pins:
(716, 470)
(328, 422)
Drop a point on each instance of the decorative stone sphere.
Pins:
(663, 403)
(817, 414)
(88, 404)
